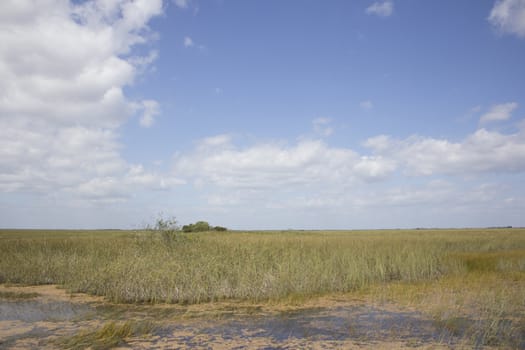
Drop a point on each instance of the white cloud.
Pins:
(322, 127)
(42, 157)
(273, 165)
(310, 184)
(311, 173)
(366, 105)
(498, 112)
(481, 152)
(215, 141)
(104, 189)
(138, 176)
(151, 109)
(508, 16)
(141, 63)
(378, 143)
(181, 3)
(188, 42)
(373, 168)
(72, 71)
(382, 9)
(63, 70)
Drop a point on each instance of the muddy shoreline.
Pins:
(52, 314)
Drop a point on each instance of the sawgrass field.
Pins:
(453, 275)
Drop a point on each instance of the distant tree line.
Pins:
(201, 226)
(170, 225)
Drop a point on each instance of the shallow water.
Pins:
(36, 310)
(356, 323)
(36, 322)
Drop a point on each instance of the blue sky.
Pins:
(262, 114)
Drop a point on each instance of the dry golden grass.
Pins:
(192, 268)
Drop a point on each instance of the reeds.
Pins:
(193, 268)
(472, 282)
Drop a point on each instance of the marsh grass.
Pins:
(471, 282)
(483, 303)
(142, 267)
(108, 336)
(17, 295)
(208, 267)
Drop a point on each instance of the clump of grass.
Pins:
(495, 330)
(110, 335)
(493, 261)
(17, 295)
(456, 325)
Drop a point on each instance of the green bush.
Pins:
(201, 226)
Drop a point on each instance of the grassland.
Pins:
(471, 281)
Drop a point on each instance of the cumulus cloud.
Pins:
(508, 16)
(42, 157)
(373, 168)
(273, 165)
(380, 143)
(481, 152)
(313, 184)
(498, 112)
(284, 173)
(381, 9)
(63, 69)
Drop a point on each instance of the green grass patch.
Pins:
(492, 261)
(110, 335)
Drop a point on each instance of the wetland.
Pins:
(263, 290)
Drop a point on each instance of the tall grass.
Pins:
(193, 268)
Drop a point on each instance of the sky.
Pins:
(262, 114)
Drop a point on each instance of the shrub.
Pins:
(199, 226)
(168, 228)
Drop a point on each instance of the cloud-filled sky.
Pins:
(262, 114)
